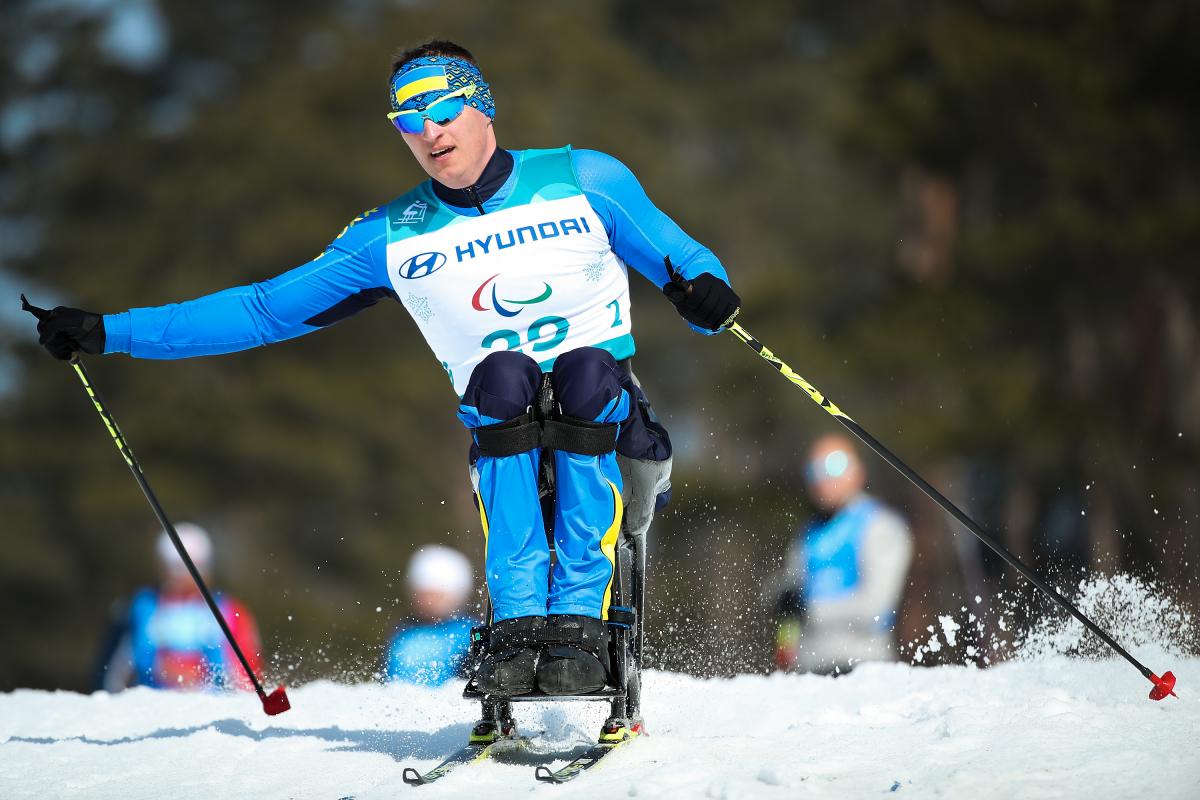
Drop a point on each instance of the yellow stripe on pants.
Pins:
(608, 545)
(483, 519)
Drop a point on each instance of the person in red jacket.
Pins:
(165, 636)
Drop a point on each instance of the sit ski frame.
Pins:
(495, 733)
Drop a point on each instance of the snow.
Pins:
(1055, 727)
(1042, 725)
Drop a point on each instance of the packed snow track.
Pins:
(1053, 728)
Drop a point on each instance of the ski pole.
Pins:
(277, 701)
(1163, 686)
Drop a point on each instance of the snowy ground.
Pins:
(1050, 728)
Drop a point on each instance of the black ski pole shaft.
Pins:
(274, 703)
(1162, 685)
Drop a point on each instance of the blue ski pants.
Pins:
(588, 384)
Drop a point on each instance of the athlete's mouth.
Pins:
(436, 154)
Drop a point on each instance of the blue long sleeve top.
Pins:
(351, 274)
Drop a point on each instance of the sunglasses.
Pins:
(442, 111)
(833, 465)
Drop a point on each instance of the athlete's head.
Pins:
(833, 472)
(440, 580)
(175, 575)
(443, 108)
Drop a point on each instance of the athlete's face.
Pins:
(833, 473)
(434, 605)
(454, 154)
(179, 581)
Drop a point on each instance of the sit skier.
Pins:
(512, 263)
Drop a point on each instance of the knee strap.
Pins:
(510, 437)
(526, 433)
(580, 436)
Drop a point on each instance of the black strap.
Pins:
(501, 637)
(622, 617)
(510, 437)
(553, 635)
(541, 427)
(579, 436)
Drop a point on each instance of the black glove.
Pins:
(706, 301)
(65, 331)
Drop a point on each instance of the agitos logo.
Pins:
(421, 265)
(497, 302)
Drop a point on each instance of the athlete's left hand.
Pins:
(706, 301)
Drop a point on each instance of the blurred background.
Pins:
(973, 226)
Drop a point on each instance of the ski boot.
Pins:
(576, 659)
(620, 729)
(488, 731)
(510, 666)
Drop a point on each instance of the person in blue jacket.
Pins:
(848, 568)
(433, 647)
(513, 264)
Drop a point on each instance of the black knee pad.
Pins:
(585, 380)
(504, 385)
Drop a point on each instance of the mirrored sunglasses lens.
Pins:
(447, 110)
(409, 123)
(442, 112)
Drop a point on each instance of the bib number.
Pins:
(543, 334)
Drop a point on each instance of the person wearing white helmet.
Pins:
(171, 567)
(432, 648)
(165, 636)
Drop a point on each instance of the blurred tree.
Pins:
(972, 226)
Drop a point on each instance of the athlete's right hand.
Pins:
(65, 331)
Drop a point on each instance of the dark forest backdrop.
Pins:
(973, 225)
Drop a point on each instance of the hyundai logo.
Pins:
(421, 265)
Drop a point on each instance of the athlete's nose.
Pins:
(431, 130)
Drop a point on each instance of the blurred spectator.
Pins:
(432, 649)
(166, 636)
(847, 570)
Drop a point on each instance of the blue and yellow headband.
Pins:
(425, 79)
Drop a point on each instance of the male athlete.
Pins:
(847, 567)
(513, 263)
